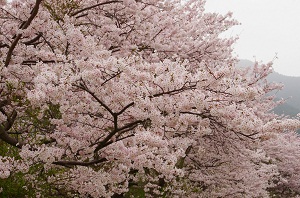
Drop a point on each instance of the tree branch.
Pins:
(10, 120)
(84, 87)
(110, 142)
(3, 103)
(6, 138)
(124, 109)
(33, 62)
(77, 163)
(123, 129)
(118, 73)
(11, 49)
(24, 26)
(247, 135)
(3, 45)
(93, 6)
(175, 91)
(202, 115)
(31, 42)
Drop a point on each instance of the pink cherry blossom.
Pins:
(101, 98)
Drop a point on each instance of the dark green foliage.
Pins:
(15, 186)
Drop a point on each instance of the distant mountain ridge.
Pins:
(290, 91)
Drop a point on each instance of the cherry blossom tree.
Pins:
(137, 98)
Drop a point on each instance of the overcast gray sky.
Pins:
(269, 27)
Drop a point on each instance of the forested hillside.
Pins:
(290, 91)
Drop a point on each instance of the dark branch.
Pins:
(33, 62)
(11, 49)
(24, 26)
(3, 103)
(8, 139)
(77, 163)
(31, 42)
(3, 45)
(33, 13)
(10, 120)
(202, 115)
(93, 6)
(175, 91)
(110, 78)
(110, 142)
(123, 129)
(84, 87)
(124, 109)
(248, 135)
